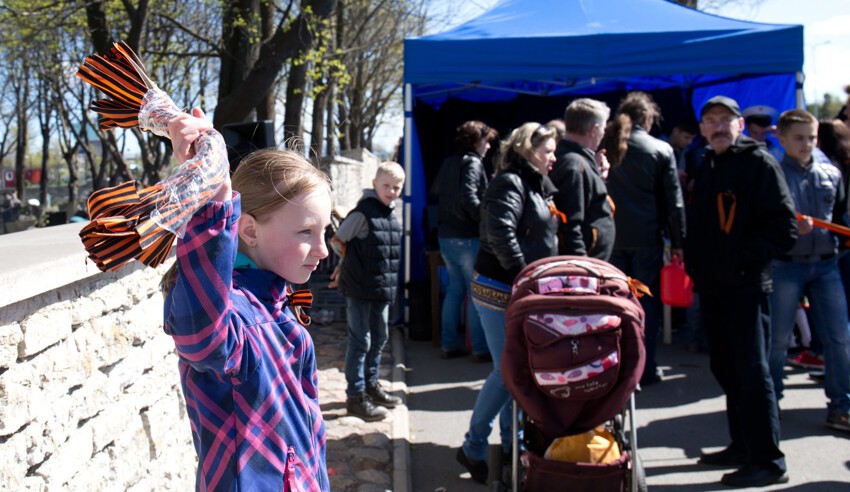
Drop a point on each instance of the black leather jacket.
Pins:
(646, 192)
(763, 225)
(460, 186)
(517, 226)
(583, 197)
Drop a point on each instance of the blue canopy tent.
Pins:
(524, 60)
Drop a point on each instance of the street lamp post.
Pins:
(814, 49)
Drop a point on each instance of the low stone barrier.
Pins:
(89, 393)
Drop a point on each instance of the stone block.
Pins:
(44, 328)
(13, 453)
(60, 368)
(68, 458)
(17, 393)
(110, 423)
(10, 336)
(130, 453)
(85, 308)
(96, 475)
(101, 342)
(34, 484)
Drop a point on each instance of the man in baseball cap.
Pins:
(740, 218)
(723, 101)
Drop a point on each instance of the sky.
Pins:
(826, 34)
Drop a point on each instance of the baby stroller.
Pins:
(573, 357)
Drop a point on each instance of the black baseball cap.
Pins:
(726, 102)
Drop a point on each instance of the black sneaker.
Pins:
(361, 406)
(452, 354)
(478, 469)
(480, 358)
(754, 476)
(727, 457)
(839, 420)
(381, 397)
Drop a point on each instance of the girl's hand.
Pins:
(184, 130)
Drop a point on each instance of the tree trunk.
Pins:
(239, 53)
(238, 98)
(23, 93)
(44, 123)
(295, 89)
(317, 127)
(330, 126)
(98, 27)
(265, 109)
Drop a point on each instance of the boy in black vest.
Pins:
(369, 243)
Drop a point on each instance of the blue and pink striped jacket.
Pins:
(247, 367)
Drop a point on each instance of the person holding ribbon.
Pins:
(247, 363)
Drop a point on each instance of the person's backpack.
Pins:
(574, 348)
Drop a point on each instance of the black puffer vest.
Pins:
(370, 268)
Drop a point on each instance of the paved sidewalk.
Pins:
(362, 456)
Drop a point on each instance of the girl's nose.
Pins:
(321, 249)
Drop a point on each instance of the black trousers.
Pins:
(738, 329)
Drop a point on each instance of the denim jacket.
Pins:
(817, 191)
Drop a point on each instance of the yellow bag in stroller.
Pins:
(594, 446)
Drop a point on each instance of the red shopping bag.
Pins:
(677, 288)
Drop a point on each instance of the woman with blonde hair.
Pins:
(518, 226)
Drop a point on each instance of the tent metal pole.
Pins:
(799, 91)
(408, 188)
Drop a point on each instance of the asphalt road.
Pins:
(676, 420)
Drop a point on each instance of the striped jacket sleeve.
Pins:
(199, 312)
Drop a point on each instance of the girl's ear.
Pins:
(247, 225)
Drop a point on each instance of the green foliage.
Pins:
(828, 107)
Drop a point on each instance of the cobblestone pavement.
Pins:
(360, 454)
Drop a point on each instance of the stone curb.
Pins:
(402, 479)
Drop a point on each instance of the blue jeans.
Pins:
(367, 334)
(494, 398)
(459, 256)
(820, 281)
(645, 265)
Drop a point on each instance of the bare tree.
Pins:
(370, 38)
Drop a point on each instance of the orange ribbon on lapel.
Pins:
(300, 300)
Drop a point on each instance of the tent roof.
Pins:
(547, 46)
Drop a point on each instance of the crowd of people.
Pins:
(757, 223)
(758, 239)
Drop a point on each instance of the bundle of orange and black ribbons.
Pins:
(128, 223)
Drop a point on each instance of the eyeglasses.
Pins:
(726, 120)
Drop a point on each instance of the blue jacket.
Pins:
(818, 191)
(248, 369)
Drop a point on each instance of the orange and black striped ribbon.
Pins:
(300, 300)
(726, 219)
(112, 237)
(119, 74)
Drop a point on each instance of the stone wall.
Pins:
(89, 393)
(90, 397)
(351, 173)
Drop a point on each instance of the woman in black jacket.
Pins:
(518, 226)
(460, 186)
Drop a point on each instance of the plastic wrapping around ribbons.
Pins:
(127, 223)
